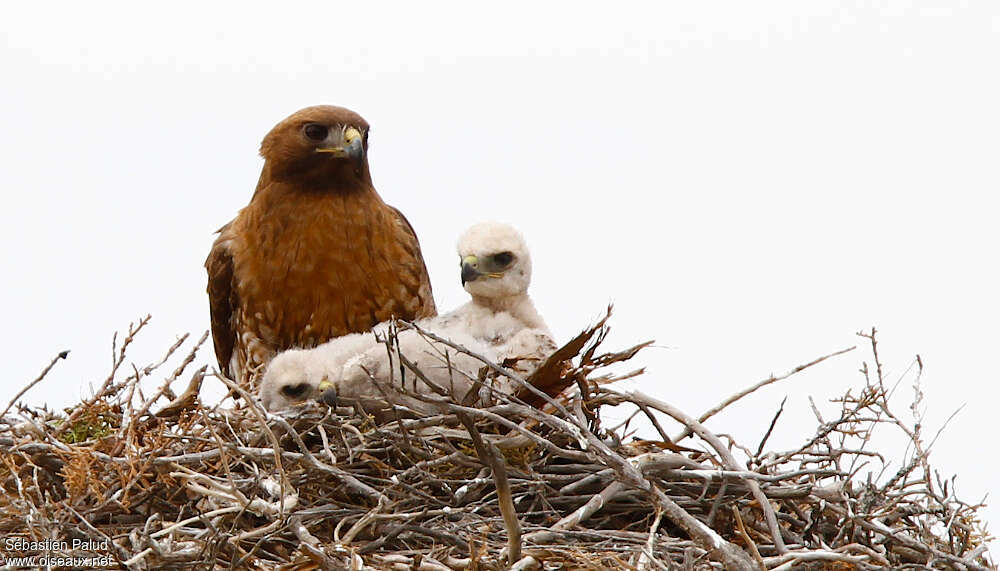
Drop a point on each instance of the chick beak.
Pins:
(470, 269)
(329, 396)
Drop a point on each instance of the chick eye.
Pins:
(316, 132)
(503, 258)
(297, 390)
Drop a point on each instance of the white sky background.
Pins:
(749, 183)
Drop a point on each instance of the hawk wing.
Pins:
(422, 288)
(223, 299)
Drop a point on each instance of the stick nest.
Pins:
(537, 480)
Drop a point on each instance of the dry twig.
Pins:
(328, 488)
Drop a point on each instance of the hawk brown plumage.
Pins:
(316, 254)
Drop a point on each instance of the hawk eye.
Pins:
(316, 132)
(503, 258)
(297, 390)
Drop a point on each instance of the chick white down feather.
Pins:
(500, 324)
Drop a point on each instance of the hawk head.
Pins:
(322, 147)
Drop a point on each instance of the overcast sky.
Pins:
(749, 183)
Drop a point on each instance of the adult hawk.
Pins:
(316, 254)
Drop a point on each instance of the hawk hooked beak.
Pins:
(329, 395)
(350, 146)
(470, 269)
(327, 392)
